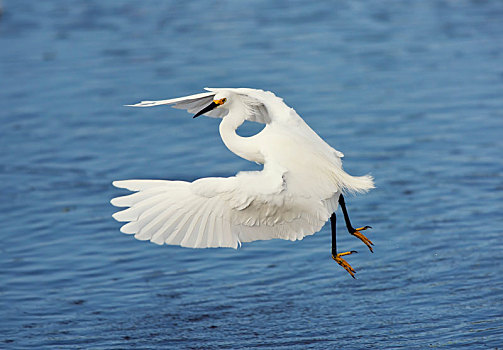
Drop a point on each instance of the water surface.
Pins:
(411, 92)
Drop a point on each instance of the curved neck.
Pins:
(245, 147)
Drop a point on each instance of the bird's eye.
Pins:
(224, 100)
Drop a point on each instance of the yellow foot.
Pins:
(344, 263)
(364, 239)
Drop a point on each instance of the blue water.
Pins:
(410, 91)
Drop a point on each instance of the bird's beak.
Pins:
(208, 108)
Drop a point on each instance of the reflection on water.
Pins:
(408, 91)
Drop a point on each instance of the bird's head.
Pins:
(222, 99)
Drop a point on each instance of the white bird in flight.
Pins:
(299, 189)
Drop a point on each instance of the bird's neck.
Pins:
(245, 147)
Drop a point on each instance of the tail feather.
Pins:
(357, 184)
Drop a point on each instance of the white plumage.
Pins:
(292, 197)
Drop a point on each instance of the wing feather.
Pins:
(191, 220)
(205, 214)
(133, 213)
(131, 199)
(164, 235)
(181, 100)
(149, 230)
(255, 101)
(192, 103)
(218, 212)
(211, 230)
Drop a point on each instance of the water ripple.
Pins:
(409, 92)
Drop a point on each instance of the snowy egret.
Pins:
(298, 190)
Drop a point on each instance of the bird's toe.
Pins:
(345, 265)
(357, 233)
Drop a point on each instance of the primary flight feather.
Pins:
(298, 190)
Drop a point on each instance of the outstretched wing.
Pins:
(217, 212)
(255, 101)
(192, 103)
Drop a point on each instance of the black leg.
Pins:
(338, 257)
(334, 243)
(355, 232)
